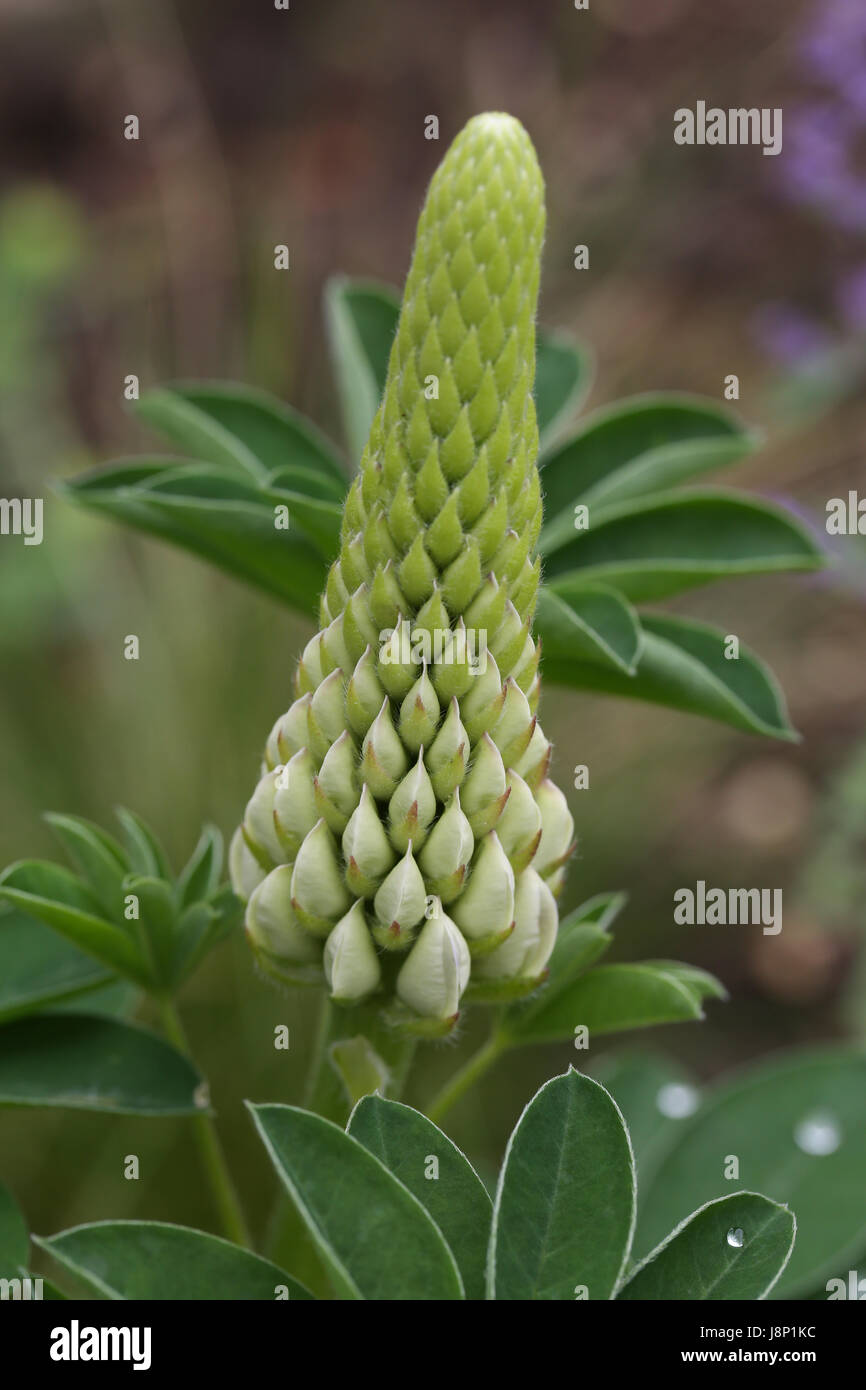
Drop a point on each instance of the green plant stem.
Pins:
(213, 1159)
(463, 1080)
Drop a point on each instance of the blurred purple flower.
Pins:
(788, 335)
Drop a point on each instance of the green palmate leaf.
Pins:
(155, 925)
(38, 968)
(797, 1127)
(96, 855)
(267, 431)
(683, 665)
(563, 375)
(199, 433)
(155, 1261)
(361, 319)
(14, 1240)
(146, 854)
(119, 999)
(375, 1238)
(437, 1173)
(613, 997)
(87, 1063)
(582, 937)
(200, 876)
(592, 624)
(733, 1248)
(237, 535)
(564, 1211)
(58, 898)
(653, 547)
(641, 445)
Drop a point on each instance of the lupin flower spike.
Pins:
(406, 827)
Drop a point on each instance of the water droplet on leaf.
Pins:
(735, 1238)
(676, 1101)
(818, 1134)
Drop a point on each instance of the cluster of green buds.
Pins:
(405, 842)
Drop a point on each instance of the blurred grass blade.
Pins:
(77, 1062)
(375, 1238)
(797, 1125)
(564, 1210)
(38, 967)
(639, 445)
(589, 624)
(454, 1195)
(611, 998)
(268, 431)
(361, 319)
(155, 1261)
(683, 665)
(58, 898)
(653, 547)
(734, 1248)
(563, 376)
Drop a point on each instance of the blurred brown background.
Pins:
(155, 257)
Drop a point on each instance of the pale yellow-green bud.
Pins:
(519, 826)
(350, 959)
(485, 791)
(366, 847)
(525, 953)
(446, 854)
(448, 754)
(260, 831)
(432, 981)
(557, 829)
(245, 871)
(399, 903)
(279, 942)
(319, 892)
(412, 807)
(485, 910)
(383, 758)
(294, 802)
(419, 713)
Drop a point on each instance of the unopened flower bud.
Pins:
(350, 959)
(419, 713)
(280, 944)
(399, 903)
(364, 694)
(366, 847)
(446, 854)
(518, 964)
(383, 757)
(290, 734)
(335, 788)
(448, 754)
(245, 871)
(515, 726)
(484, 793)
(432, 981)
(319, 893)
(398, 667)
(259, 829)
(519, 826)
(412, 807)
(557, 829)
(294, 803)
(485, 910)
